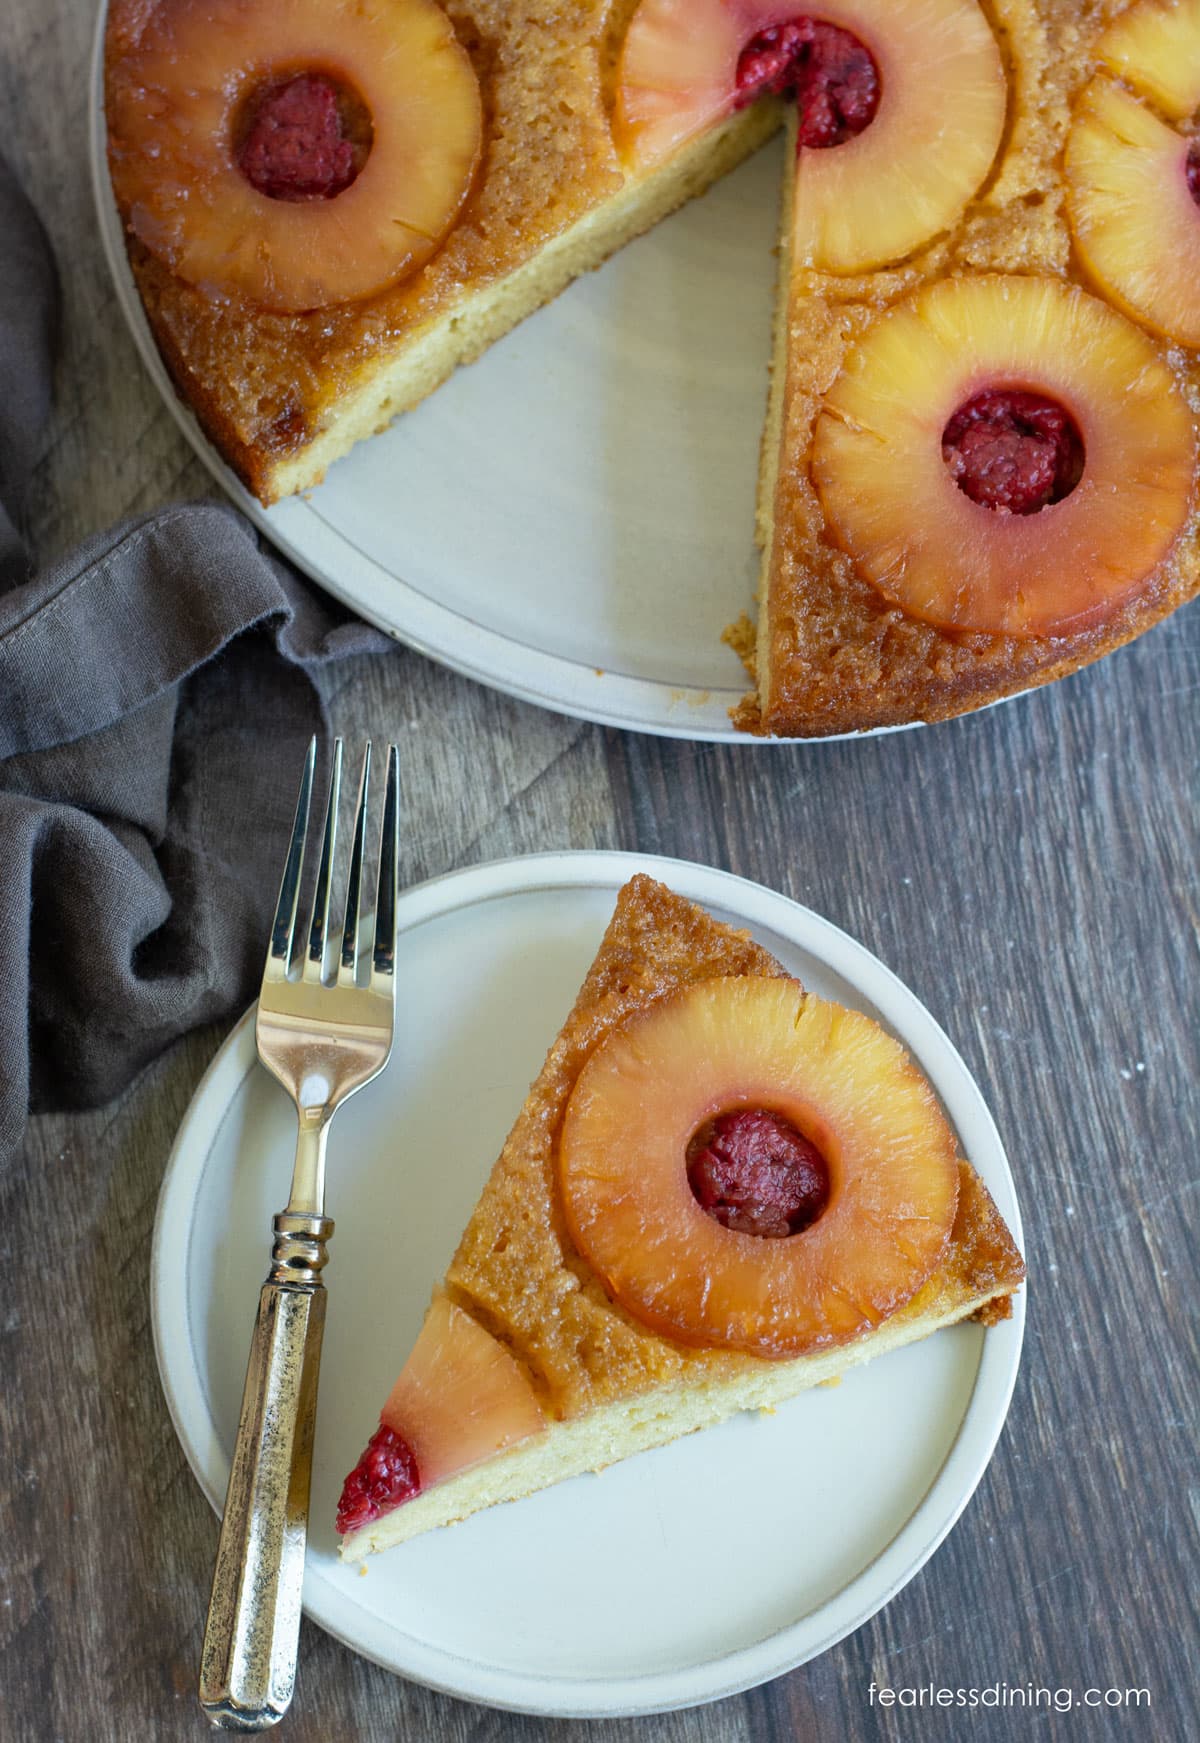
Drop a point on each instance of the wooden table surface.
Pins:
(1030, 872)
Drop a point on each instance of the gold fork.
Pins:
(323, 1036)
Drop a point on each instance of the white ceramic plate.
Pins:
(606, 1595)
(570, 519)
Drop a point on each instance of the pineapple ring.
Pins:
(876, 197)
(1153, 47)
(172, 116)
(842, 1082)
(678, 70)
(921, 541)
(905, 178)
(1132, 213)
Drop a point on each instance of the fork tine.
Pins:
(280, 952)
(319, 930)
(350, 930)
(384, 960)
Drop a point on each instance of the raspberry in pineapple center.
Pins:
(831, 74)
(1191, 170)
(303, 138)
(1014, 450)
(384, 1476)
(752, 1171)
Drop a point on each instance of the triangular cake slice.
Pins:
(531, 1367)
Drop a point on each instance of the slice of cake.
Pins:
(719, 1192)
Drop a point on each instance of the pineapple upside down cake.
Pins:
(721, 1190)
(979, 464)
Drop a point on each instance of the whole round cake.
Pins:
(979, 464)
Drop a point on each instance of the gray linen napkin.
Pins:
(156, 692)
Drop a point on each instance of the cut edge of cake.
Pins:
(427, 357)
(751, 711)
(617, 1431)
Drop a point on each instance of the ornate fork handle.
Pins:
(248, 1667)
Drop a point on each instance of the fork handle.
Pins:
(248, 1665)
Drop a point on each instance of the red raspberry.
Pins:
(1192, 170)
(294, 149)
(831, 74)
(1014, 450)
(384, 1476)
(752, 1171)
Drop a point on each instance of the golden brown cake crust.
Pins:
(516, 1269)
(833, 655)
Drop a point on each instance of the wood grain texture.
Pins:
(1031, 872)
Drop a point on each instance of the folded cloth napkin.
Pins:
(157, 689)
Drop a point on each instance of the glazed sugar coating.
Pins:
(519, 1273)
(832, 655)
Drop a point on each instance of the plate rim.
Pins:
(863, 1596)
(614, 699)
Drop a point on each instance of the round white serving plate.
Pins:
(571, 518)
(619, 1594)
